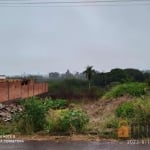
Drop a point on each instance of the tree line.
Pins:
(120, 75)
(104, 78)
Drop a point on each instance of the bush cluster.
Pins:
(67, 121)
(39, 115)
(126, 110)
(134, 89)
(55, 104)
(137, 111)
(33, 117)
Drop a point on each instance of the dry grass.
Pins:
(100, 111)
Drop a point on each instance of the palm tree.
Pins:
(89, 72)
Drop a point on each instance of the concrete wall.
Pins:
(14, 89)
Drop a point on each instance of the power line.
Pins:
(81, 1)
(31, 3)
(69, 2)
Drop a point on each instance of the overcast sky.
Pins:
(47, 39)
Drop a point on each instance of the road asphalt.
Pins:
(49, 145)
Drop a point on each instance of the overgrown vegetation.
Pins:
(133, 89)
(95, 84)
(136, 111)
(55, 114)
(126, 110)
(55, 104)
(33, 117)
(66, 121)
(7, 128)
(49, 115)
(74, 89)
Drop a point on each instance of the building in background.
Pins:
(2, 77)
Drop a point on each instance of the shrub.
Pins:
(134, 89)
(109, 129)
(33, 118)
(67, 121)
(137, 111)
(55, 104)
(112, 123)
(7, 128)
(94, 92)
(126, 110)
(142, 111)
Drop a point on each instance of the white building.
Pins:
(2, 77)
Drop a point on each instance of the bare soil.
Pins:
(101, 110)
(37, 137)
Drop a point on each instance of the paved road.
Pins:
(45, 145)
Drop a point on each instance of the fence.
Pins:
(140, 130)
(15, 89)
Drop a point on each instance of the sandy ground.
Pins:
(62, 138)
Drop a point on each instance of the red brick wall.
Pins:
(18, 89)
(31, 89)
(46, 85)
(3, 91)
(24, 91)
(13, 89)
(36, 89)
(40, 88)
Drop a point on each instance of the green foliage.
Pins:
(67, 89)
(73, 89)
(67, 121)
(89, 72)
(100, 79)
(121, 76)
(133, 89)
(55, 104)
(137, 111)
(33, 117)
(109, 129)
(142, 111)
(126, 110)
(117, 75)
(134, 75)
(7, 128)
(112, 123)
(73, 119)
(94, 92)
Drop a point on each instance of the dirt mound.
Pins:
(99, 111)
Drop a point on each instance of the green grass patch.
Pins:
(136, 111)
(134, 89)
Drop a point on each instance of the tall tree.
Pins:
(89, 72)
(135, 74)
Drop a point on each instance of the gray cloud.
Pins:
(54, 39)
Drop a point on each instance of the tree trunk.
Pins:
(89, 85)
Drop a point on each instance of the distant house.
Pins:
(2, 77)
